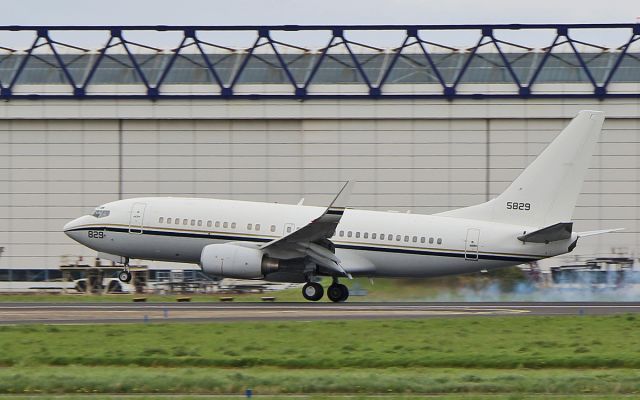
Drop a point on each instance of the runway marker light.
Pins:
(248, 393)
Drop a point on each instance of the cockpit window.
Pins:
(101, 212)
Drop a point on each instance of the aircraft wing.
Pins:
(312, 239)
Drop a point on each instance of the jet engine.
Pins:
(234, 261)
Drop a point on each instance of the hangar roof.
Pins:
(269, 67)
(191, 68)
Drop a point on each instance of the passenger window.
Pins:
(422, 239)
(349, 234)
(288, 229)
(415, 239)
(208, 224)
(257, 227)
(341, 233)
(406, 238)
(439, 240)
(161, 220)
(225, 225)
(199, 222)
(233, 225)
(177, 221)
(185, 222)
(389, 237)
(249, 227)
(193, 222)
(430, 240)
(366, 235)
(273, 228)
(217, 224)
(373, 236)
(169, 220)
(398, 238)
(358, 234)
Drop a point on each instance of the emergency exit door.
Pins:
(472, 244)
(137, 217)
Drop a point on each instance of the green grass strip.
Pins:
(404, 381)
(474, 342)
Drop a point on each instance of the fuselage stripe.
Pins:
(230, 237)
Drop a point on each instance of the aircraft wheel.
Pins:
(114, 287)
(124, 276)
(312, 291)
(345, 292)
(81, 286)
(338, 292)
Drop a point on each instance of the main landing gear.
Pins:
(312, 291)
(125, 274)
(337, 292)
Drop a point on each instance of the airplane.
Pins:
(529, 221)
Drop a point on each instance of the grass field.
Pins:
(476, 356)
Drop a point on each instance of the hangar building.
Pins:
(423, 126)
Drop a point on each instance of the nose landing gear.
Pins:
(125, 274)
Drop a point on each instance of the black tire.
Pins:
(81, 286)
(114, 287)
(124, 276)
(337, 293)
(345, 292)
(312, 291)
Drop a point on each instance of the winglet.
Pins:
(322, 227)
(341, 200)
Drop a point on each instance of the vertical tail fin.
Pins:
(547, 190)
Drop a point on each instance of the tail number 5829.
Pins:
(513, 205)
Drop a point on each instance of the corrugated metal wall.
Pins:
(54, 167)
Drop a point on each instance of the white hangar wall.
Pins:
(61, 158)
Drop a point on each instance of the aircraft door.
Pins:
(472, 244)
(137, 217)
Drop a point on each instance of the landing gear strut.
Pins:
(312, 291)
(337, 292)
(125, 274)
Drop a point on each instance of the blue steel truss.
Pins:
(80, 73)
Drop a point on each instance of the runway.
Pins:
(50, 313)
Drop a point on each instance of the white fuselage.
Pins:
(369, 243)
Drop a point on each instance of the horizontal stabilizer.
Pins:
(600, 232)
(559, 231)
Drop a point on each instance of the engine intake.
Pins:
(233, 261)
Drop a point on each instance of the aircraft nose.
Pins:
(71, 225)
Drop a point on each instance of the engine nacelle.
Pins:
(233, 261)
